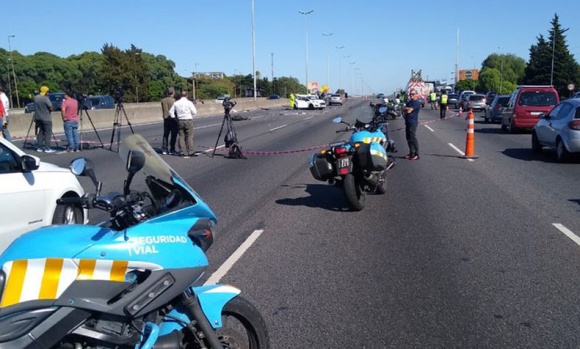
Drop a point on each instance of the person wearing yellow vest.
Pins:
(443, 104)
(433, 100)
(292, 101)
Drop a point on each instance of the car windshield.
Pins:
(538, 99)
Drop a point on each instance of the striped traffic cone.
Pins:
(470, 139)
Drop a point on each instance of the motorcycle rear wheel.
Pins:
(354, 192)
(382, 186)
(242, 327)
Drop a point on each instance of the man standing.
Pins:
(411, 115)
(184, 110)
(443, 104)
(170, 125)
(4, 118)
(433, 100)
(43, 118)
(70, 121)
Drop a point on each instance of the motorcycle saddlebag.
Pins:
(372, 156)
(319, 166)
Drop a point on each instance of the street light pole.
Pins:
(14, 73)
(306, 13)
(254, 52)
(500, 73)
(327, 35)
(193, 79)
(339, 65)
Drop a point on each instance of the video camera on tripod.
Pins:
(228, 105)
(118, 95)
(230, 139)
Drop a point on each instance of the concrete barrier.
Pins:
(137, 113)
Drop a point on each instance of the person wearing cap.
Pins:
(170, 125)
(43, 119)
(411, 115)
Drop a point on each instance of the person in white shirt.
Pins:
(4, 119)
(184, 110)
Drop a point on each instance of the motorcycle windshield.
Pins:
(157, 169)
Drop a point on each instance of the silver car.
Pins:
(476, 102)
(335, 99)
(559, 129)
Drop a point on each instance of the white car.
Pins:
(29, 189)
(308, 102)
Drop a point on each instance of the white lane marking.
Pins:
(277, 128)
(310, 117)
(429, 128)
(567, 232)
(229, 263)
(459, 151)
(212, 149)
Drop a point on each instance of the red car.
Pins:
(525, 106)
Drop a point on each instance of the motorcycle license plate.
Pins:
(342, 163)
(336, 144)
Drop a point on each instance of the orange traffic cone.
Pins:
(470, 139)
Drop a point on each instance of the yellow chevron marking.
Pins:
(118, 271)
(49, 285)
(14, 284)
(86, 269)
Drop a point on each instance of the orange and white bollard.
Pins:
(470, 139)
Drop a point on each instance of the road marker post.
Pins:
(470, 138)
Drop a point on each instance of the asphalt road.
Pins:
(456, 254)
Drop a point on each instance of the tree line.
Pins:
(550, 63)
(143, 77)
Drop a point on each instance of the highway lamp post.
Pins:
(327, 35)
(346, 57)
(136, 80)
(13, 72)
(500, 72)
(254, 55)
(306, 13)
(193, 80)
(352, 80)
(357, 74)
(339, 70)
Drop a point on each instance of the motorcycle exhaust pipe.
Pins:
(372, 180)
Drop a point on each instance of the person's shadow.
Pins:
(321, 195)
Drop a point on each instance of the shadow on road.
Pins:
(322, 196)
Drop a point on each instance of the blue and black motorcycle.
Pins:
(358, 165)
(129, 281)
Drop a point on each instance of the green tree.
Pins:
(467, 84)
(551, 62)
(501, 73)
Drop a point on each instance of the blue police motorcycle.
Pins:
(358, 165)
(129, 281)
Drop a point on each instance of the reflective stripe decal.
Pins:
(15, 282)
(49, 286)
(48, 278)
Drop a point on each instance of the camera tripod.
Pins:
(36, 129)
(118, 123)
(80, 115)
(230, 139)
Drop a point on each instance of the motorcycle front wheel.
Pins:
(354, 192)
(242, 328)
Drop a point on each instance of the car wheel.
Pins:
(485, 118)
(511, 127)
(67, 214)
(536, 146)
(311, 107)
(562, 153)
(503, 126)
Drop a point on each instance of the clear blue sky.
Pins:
(383, 40)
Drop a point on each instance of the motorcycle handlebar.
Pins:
(70, 201)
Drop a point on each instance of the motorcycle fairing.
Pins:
(212, 298)
(365, 136)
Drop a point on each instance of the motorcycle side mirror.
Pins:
(337, 120)
(135, 162)
(382, 109)
(84, 167)
(371, 104)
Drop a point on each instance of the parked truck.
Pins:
(416, 82)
